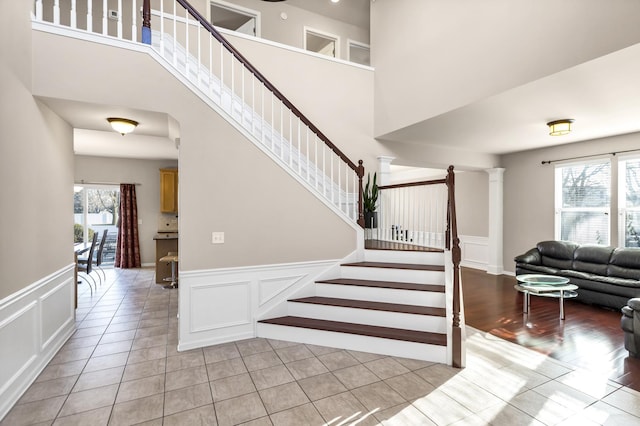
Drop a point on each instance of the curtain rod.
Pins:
(84, 182)
(588, 156)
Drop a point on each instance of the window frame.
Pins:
(319, 33)
(241, 10)
(622, 198)
(558, 193)
(354, 43)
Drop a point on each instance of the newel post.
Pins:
(456, 257)
(360, 173)
(146, 21)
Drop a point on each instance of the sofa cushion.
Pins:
(592, 258)
(536, 269)
(532, 257)
(625, 263)
(557, 254)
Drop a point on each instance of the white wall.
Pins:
(426, 65)
(122, 170)
(36, 256)
(529, 191)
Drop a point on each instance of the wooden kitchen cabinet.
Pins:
(169, 190)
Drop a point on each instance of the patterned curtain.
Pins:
(128, 247)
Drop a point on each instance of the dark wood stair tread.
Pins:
(411, 266)
(438, 288)
(375, 306)
(361, 329)
(398, 246)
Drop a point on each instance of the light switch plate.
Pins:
(217, 238)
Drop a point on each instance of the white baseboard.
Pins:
(474, 252)
(34, 324)
(222, 305)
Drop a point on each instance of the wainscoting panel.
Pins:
(474, 251)
(34, 324)
(223, 305)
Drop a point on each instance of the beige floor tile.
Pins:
(187, 398)
(413, 364)
(98, 379)
(91, 399)
(469, 395)
(294, 353)
(48, 389)
(303, 415)
(231, 387)
(153, 322)
(356, 376)
(112, 348)
(410, 386)
(321, 386)
(221, 353)
(93, 331)
(386, 368)
(144, 369)
(283, 397)
(187, 377)
(279, 344)
(604, 414)
(365, 356)
(98, 417)
(33, 412)
(151, 331)
(140, 388)
(240, 410)
(440, 408)
(119, 336)
(253, 346)
(590, 383)
(321, 350)
(107, 361)
(507, 415)
(148, 342)
(221, 369)
(119, 318)
(55, 371)
(122, 327)
(147, 354)
(201, 416)
(338, 360)
(437, 374)
(262, 421)
(187, 360)
(540, 408)
(272, 376)
(93, 323)
(82, 342)
(137, 411)
(261, 360)
(565, 395)
(377, 396)
(402, 415)
(343, 408)
(626, 400)
(72, 354)
(306, 368)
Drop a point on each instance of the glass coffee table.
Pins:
(545, 286)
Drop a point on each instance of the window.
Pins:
(359, 52)
(95, 208)
(235, 18)
(321, 42)
(629, 202)
(583, 202)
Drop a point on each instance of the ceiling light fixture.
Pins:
(122, 125)
(560, 127)
(335, 1)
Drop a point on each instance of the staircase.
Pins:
(392, 303)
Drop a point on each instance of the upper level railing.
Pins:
(195, 49)
(424, 214)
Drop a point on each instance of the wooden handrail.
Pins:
(268, 84)
(406, 185)
(456, 257)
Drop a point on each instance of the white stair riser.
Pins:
(388, 295)
(421, 351)
(368, 317)
(414, 257)
(388, 274)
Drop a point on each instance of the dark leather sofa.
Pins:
(606, 276)
(631, 326)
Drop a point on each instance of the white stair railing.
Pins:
(203, 56)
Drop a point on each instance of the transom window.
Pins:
(583, 202)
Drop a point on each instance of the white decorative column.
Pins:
(384, 170)
(496, 190)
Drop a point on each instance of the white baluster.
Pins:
(211, 65)
(331, 189)
(290, 140)
(90, 15)
(73, 19)
(56, 12)
(39, 10)
(105, 22)
(199, 30)
(162, 53)
(315, 158)
(175, 36)
(186, 43)
(221, 72)
(262, 118)
(281, 130)
(308, 154)
(119, 18)
(324, 173)
(355, 192)
(253, 103)
(299, 149)
(134, 21)
(242, 101)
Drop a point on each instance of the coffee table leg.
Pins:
(561, 304)
(525, 302)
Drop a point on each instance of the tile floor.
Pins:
(121, 367)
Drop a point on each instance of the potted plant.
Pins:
(370, 198)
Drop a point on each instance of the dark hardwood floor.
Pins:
(590, 337)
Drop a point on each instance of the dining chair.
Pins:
(99, 255)
(85, 264)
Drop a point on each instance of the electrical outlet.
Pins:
(217, 238)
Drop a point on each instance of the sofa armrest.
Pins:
(532, 257)
(634, 303)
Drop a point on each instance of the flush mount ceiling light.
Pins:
(122, 125)
(560, 127)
